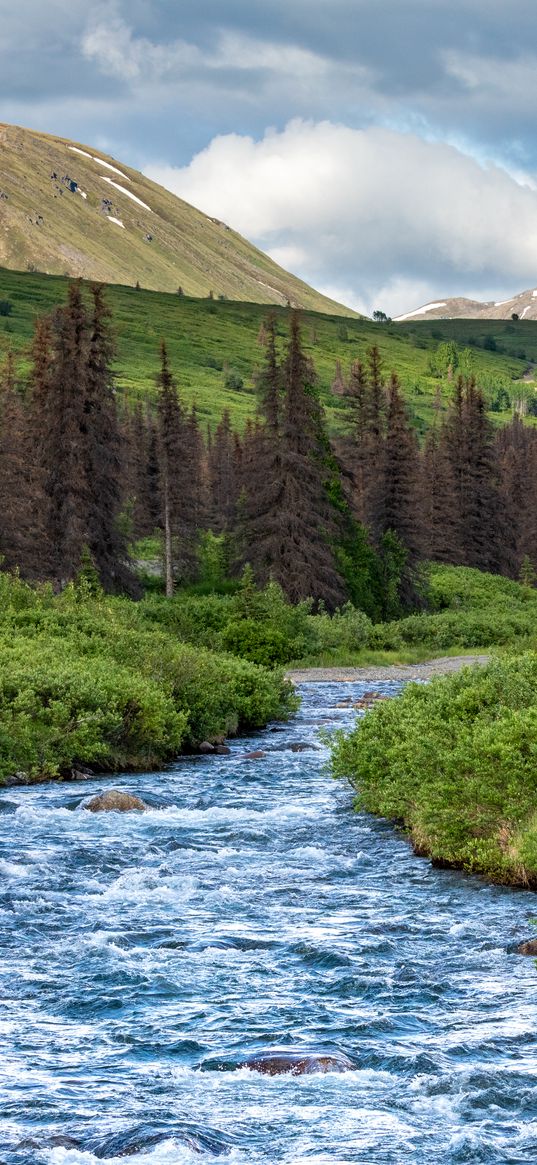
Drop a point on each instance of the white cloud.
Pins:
(391, 219)
(111, 43)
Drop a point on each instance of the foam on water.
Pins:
(143, 957)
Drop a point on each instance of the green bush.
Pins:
(456, 762)
(347, 628)
(91, 679)
(61, 711)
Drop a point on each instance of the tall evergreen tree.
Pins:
(401, 515)
(288, 534)
(222, 473)
(101, 453)
(21, 533)
(58, 423)
(74, 427)
(179, 484)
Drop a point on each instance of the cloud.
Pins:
(384, 216)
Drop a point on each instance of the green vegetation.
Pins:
(467, 610)
(86, 679)
(211, 341)
(455, 762)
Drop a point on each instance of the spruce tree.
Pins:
(21, 534)
(289, 523)
(222, 474)
(101, 454)
(179, 480)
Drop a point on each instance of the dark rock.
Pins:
(81, 775)
(114, 801)
(205, 747)
(529, 947)
(295, 746)
(254, 755)
(297, 1063)
(368, 699)
(222, 750)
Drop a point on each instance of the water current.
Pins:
(144, 956)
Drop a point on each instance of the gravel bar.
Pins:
(411, 671)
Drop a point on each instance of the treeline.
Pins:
(83, 475)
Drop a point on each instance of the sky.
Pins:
(383, 150)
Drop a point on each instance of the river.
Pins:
(143, 956)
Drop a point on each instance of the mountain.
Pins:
(68, 209)
(523, 305)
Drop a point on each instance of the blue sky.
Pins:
(385, 150)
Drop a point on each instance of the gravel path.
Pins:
(412, 671)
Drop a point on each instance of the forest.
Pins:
(352, 517)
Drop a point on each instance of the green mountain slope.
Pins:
(208, 340)
(68, 209)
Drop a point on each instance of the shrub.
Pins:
(456, 761)
(234, 380)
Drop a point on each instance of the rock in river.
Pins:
(527, 948)
(298, 1062)
(114, 801)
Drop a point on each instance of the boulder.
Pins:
(205, 747)
(254, 755)
(297, 1062)
(222, 750)
(115, 801)
(529, 947)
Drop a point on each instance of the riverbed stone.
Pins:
(206, 747)
(529, 947)
(115, 801)
(257, 755)
(297, 1062)
(222, 750)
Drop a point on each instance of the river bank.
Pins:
(454, 762)
(446, 665)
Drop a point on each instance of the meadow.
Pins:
(214, 346)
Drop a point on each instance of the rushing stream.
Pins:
(143, 956)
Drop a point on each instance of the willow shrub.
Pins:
(455, 761)
(90, 679)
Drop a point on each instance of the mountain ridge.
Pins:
(523, 305)
(69, 209)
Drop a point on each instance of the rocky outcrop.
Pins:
(115, 801)
(297, 1062)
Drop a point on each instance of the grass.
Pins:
(206, 339)
(342, 657)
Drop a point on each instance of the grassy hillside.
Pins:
(67, 209)
(208, 338)
(512, 337)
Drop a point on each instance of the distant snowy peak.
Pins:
(523, 305)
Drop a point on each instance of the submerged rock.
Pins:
(257, 755)
(222, 750)
(529, 947)
(114, 801)
(297, 1063)
(131, 1142)
(59, 1141)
